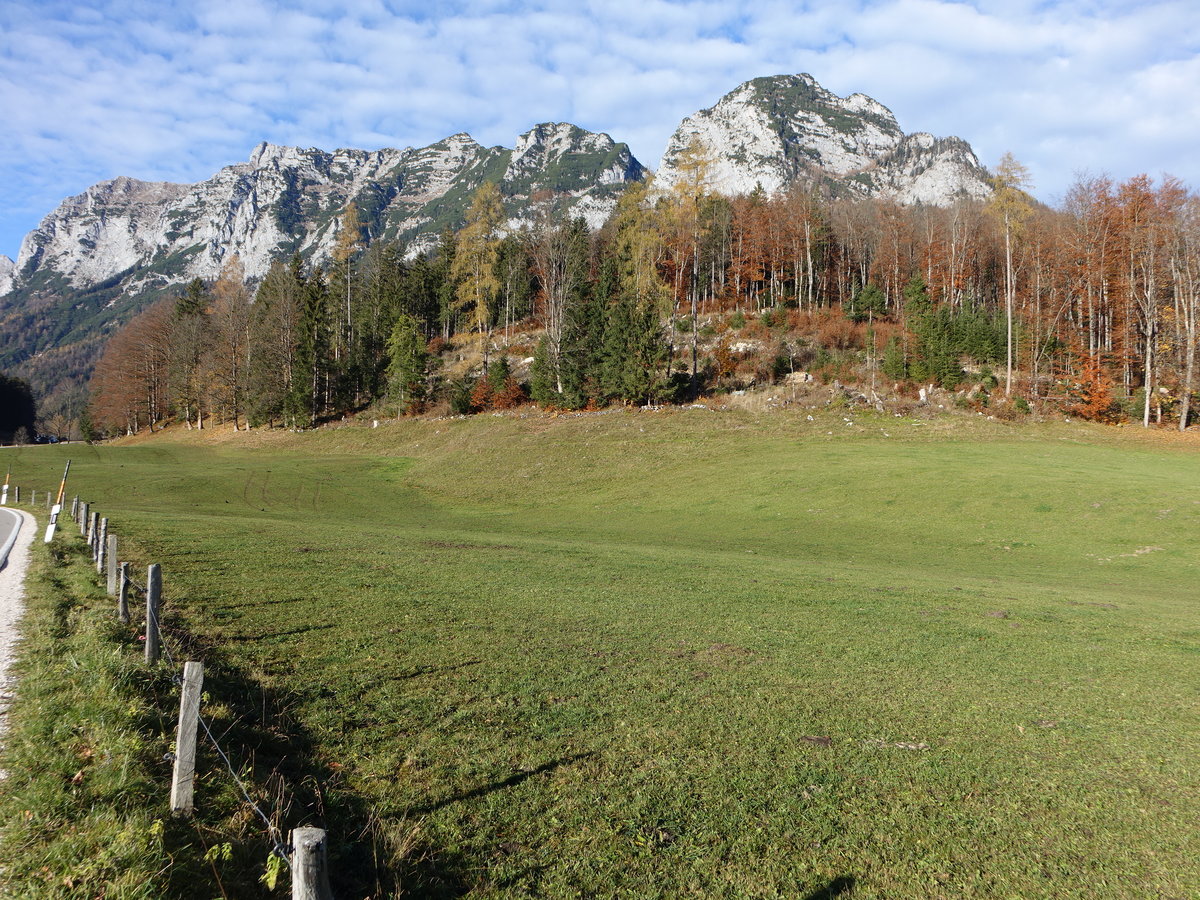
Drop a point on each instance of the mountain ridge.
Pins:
(105, 253)
(779, 130)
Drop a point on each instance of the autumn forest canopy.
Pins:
(1089, 308)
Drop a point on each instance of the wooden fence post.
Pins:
(102, 545)
(16, 493)
(123, 595)
(75, 509)
(33, 497)
(83, 518)
(110, 556)
(153, 598)
(185, 739)
(94, 535)
(310, 871)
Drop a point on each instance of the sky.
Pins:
(93, 89)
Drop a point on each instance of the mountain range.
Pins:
(105, 253)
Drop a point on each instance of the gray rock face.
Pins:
(285, 200)
(773, 132)
(7, 271)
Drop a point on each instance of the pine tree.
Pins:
(189, 337)
(382, 275)
(542, 380)
(310, 394)
(443, 283)
(895, 366)
(407, 365)
(868, 303)
(275, 331)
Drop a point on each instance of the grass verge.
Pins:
(84, 803)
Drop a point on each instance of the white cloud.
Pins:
(162, 92)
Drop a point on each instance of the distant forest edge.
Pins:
(1090, 307)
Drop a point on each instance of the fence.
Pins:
(305, 855)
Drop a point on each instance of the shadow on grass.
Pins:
(840, 886)
(511, 781)
(435, 670)
(247, 638)
(293, 786)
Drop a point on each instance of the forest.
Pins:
(1089, 307)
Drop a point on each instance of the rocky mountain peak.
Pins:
(566, 159)
(284, 200)
(775, 131)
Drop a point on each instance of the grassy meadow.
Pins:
(699, 653)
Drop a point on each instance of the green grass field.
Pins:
(709, 654)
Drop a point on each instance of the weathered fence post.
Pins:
(123, 595)
(153, 598)
(110, 556)
(310, 871)
(49, 499)
(33, 497)
(16, 493)
(83, 518)
(94, 535)
(185, 739)
(75, 509)
(102, 546)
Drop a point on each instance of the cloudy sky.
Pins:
(98, 88)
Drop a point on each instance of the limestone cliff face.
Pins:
(7, 271)
(769, 132)
(285, 200)
(773, 132)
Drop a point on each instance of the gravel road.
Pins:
(12, 589)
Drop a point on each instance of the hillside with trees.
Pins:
(1089, 308)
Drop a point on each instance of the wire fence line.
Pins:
(278, 846)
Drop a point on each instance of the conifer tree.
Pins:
(275, 330)
(310, 393)
(189, 337)
(444, 284)
(407, 364)
(382, 277)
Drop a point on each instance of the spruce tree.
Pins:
(895, 366)
(311, 389)
(542, 383)
(407, 364)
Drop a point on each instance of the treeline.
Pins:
(1091, 305)
(18, 411)
(308, 343)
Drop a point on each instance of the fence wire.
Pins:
(278, 847)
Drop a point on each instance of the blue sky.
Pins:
(157, 91)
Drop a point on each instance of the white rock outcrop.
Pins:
(8, 270)
(772, 132)
(284, 200)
